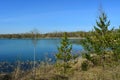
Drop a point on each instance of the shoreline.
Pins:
(46, 38)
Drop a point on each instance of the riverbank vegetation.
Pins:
(100, 59)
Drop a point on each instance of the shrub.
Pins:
(85, 65)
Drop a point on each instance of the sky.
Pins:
(21, 16)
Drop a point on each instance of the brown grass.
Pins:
(49, 72)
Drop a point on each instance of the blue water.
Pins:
(23, 49)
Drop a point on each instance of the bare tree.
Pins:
(34, 37)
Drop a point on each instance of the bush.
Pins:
(85, 65)
(96, 60)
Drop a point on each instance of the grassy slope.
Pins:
(49, 72)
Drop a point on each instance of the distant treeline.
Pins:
(80, 34)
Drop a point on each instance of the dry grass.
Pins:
(97, 73)
(49, 72)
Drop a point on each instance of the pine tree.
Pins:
(100, 40)
(102, 33)
(109, 40)
(64, 52)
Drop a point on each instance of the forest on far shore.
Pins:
(77, 34)
(80, 34)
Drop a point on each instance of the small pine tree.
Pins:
(102, 35)
(109, 40)
(100, 40)
(64, 52)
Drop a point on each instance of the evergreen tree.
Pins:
(102, 34)
(100, 40)
(64, 52)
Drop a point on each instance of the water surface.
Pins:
(23, 49)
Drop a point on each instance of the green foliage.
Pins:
(116, 45)
(101, 40)
(85, 65)
(64, 53)
(87, 56)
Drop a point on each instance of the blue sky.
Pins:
(21, 16)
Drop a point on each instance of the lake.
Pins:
(12, 50)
